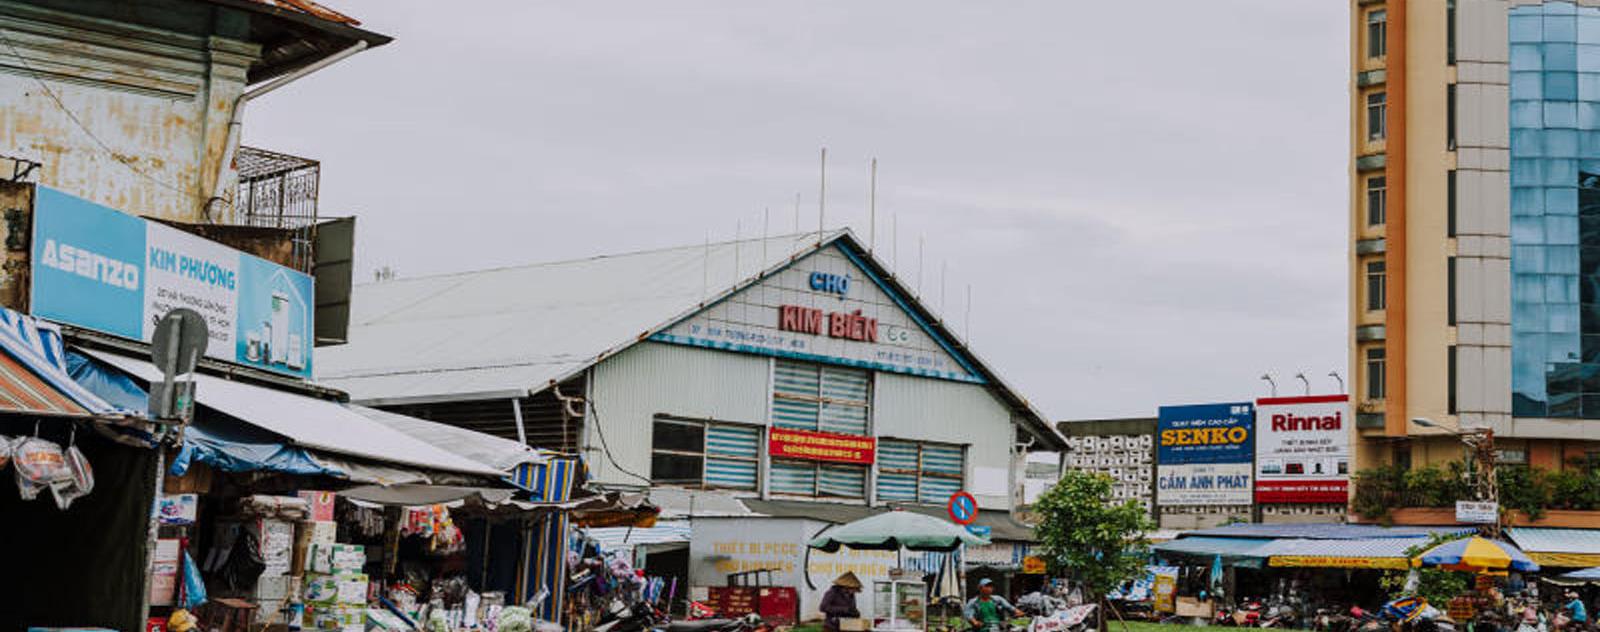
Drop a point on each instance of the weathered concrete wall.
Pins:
(134, 118)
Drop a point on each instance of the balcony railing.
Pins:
(276, 190)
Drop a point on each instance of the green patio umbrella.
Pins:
(893, 530)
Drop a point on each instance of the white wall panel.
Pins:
(907, 407)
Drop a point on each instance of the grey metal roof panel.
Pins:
(1540, 540)
(1324, 531)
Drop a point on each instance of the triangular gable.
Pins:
(826, 307)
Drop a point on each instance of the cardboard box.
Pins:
(337, 558)
(179, 509)
(164, 572)
(1191, 607)
(271, 588)
(329, 591)
(325, 532)
(321, 505)
(340, 616)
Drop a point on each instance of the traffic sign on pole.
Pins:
(963, 508)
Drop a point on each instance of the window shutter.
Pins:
(848, 481)
(790, 477)
(845, 393)
(941, 472)
(731, 453)
(897, 470)
(794, 396)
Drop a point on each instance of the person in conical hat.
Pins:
(840, 601)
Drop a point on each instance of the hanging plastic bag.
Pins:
(79, 479)
(39, 464)
(194, 586)
(5, 450)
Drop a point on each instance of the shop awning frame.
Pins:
(1559, 548)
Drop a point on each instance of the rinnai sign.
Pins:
(1203, 454)
(1303, 449)
(809, 320)
(785, 443)
(100, 269)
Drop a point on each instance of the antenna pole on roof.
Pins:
(766, 231)
(872, 209)
(822, 198)
(738, 247)
(920, 240)
(796, 212)
(705, 269)
(966, 322)
(894, 235)
(944, 273)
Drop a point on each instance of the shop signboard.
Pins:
(829, 308)
(1204, 454)
(1333, 561)
(1476, 512)
(1303, 449)
(1165, 591)
(810, 445)
(97, 268)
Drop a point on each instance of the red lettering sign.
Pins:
(1294, 423)
(821, 446)
(809, 320)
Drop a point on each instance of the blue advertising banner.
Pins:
(1205, 433)
(1204, 454)
(97, 268)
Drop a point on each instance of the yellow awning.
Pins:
(1566, 560)
(1330, 561)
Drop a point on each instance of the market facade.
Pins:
(790, 383)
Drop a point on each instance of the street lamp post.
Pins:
(1486, 485)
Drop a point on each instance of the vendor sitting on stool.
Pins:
(988, 611)
(840, 601)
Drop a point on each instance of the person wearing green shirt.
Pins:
(988, 611)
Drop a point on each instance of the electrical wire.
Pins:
(126, 162)
(599, 429)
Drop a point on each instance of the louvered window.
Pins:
(809, 396)
(911, 471)
(808, 478)
(704, 454)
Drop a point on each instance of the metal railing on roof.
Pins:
(276, 190)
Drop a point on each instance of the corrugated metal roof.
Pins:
(309, 8)
(1364, 547)
(501, 454)
(1000, 523)
(1233, 551)
(1582, 541)
(307, 421)
(506, 332)
(1326, 531)
(21, 391)
(615, 538)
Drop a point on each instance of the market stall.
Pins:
(899, 603)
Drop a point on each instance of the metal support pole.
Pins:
(516, 413)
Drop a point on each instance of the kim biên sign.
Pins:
(1204, 454)
(97, 268)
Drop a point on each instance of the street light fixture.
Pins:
(1302, 377)
(1335, 375)
(1270, 383)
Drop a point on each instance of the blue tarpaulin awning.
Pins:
(1233, 551)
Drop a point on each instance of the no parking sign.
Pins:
(963, 508)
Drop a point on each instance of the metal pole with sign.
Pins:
(179, 342)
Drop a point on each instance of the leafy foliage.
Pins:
(1436, 585)
(1083, 533)
(1532, 491)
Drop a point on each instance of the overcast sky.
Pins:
(1147, 198)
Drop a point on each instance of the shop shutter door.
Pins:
(794, 477)
(942, 467)
(845, 408)
(794, 396)
(897, 467)
(723, 442)
(848, 481)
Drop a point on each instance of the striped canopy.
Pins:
(1587, 574)
(1478, 555)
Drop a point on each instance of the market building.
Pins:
(792, 379)
(1473, 178)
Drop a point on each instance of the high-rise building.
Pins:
(1475, 228)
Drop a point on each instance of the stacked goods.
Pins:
(335, 590)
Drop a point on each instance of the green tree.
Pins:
(1086, 535)
(1436, 585)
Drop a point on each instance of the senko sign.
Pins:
(100, 269)
(810, 445)
(1204, 454)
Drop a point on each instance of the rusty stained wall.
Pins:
(131, 117)
(16, 215)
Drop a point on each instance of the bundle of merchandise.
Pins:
(42, 464)
(433, 522)
(335, 588)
